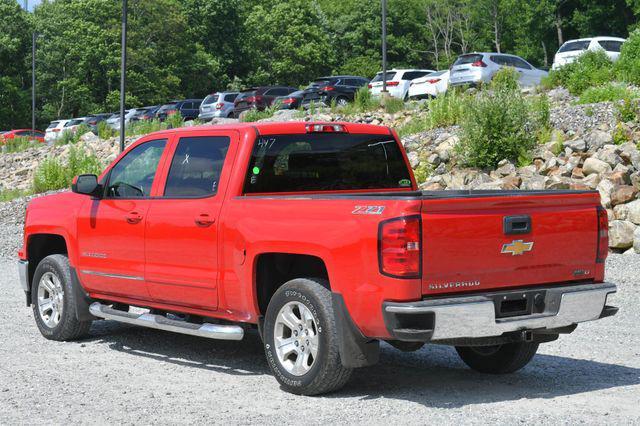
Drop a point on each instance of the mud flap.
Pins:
(356, 350)
(81, 298)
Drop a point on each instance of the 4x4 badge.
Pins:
(517, 247)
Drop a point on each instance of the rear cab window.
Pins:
(326, 162)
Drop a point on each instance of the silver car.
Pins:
(217, 105)
(475, 68)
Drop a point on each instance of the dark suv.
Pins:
(340, 89)
(188, 108)
(259, 98)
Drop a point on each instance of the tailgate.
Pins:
(476, 242)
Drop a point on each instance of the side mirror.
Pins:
(86, 185)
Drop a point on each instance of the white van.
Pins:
(570, 50)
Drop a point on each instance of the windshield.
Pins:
(573, 46)
(378, 76)
(326, 162)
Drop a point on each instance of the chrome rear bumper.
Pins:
(479, 316)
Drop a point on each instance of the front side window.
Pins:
(519, 63)
(326, 162)
(196, 166)
(133, 176)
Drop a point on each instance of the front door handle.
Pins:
(204, 220)
(133, 218)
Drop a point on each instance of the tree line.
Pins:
(188, 48)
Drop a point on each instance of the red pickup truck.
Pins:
(316, 235)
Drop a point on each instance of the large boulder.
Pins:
(597, 139)
(636, 240)
(621, 234)
(576, 145)
(535, 182)
(633, 212)
(605, 187)
(623, 194)
(593, 165)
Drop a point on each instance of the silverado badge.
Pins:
(517, 247)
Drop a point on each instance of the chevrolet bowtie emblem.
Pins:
(517, 247)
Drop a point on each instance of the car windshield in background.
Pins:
(467, 59)
(168, 107)
(378, 77)
(210, 99)
(574, 46)
(326, 162)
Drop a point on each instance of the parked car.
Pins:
(293, 100)
(317, 235)
(217, 105)
(341, 89)
(114, 120)
(93, 120)
(398, 81)
(429, 86)
(35, 135)
(477, 68)
(259, 98)
(55, 130)
(145, 113)
(570, 50)
(188, 108)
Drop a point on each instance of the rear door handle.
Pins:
(133, 218)
(204, 220)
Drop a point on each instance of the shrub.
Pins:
(364, 100)
(11, 194)
(620, 135)
(497, 125)
(174, 121)
(255, 115)
(506, 79)
(104, 131)
(592, 68)
(627, 68)
(541, 110)
(608, 92)
(145, 127)
(627, 110)
(422, 172)
(19, 144)
(52, 174)
(443, 111)
(393, 105)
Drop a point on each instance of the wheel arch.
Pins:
(41, 245)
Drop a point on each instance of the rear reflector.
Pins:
(434, 81)
(219, 106)
(325, 128)
(393, 83)
(603, 235)
(399, 250)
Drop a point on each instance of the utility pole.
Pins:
(384, 48)
(123, 72)
(33, 82)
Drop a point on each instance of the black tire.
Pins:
(406, 346)
(326, 373)
(342, 100)
(501, 359)
(68, 327)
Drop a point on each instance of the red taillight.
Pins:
(288, 101)
(325, 128)
(392, 83)
(219, 106)
(399, 250)
(250, 99)
(603, 235)
(329, 88)
(479, 64)
(370, 86)
(433, 81)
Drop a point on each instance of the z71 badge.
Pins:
(368, 210)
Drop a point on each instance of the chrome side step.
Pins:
(159, 322)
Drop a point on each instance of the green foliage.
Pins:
(19, 144)
(73, 137)
(497, 125)
(627, 110)
(145, 127)
(628, 65)
(422, 172)
(104, 131)
(541, 110)
(174, 121)
(620, 135)
(608, 92)
(558, 146)
(506, 79)
(53, 174)
(393, 105)
(255, 115)
(363, 101)
(592, 68)
(443, 111)
(12, 194)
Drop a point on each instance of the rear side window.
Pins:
(325, 162)
(574, 46)
(230, 97)
(196, 166)
(611, 45)
(468, 59)
(378, 77)
(133, 176)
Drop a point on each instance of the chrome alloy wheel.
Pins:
(50, 299)
(296, 338)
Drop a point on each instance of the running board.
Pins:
(159, 322)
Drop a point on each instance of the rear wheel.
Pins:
(300, 339)
(342, 101)
(498, 359)
(53, 300)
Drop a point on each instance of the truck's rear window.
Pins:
(325, 162)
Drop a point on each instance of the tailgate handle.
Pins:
(517, 225)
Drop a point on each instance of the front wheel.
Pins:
(53, 300)
(498, 359)
(300, 339)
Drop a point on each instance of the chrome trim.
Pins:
(474, 316)
(23, 272)
(159, 322)
(108, 275)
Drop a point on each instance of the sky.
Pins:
(31, 3)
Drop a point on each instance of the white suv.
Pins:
(398, 82)
(570, 50)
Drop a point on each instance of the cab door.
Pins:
(182, 228)
(111, 230)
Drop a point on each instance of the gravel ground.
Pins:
(124, 374)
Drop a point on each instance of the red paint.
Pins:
(21, 133)
(199, 255)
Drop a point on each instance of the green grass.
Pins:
(53, 174)
(608, 92)
(444, 111)
(12, 194)
(255, 115)
(393, 105)
(19, 144)
(72, 137)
